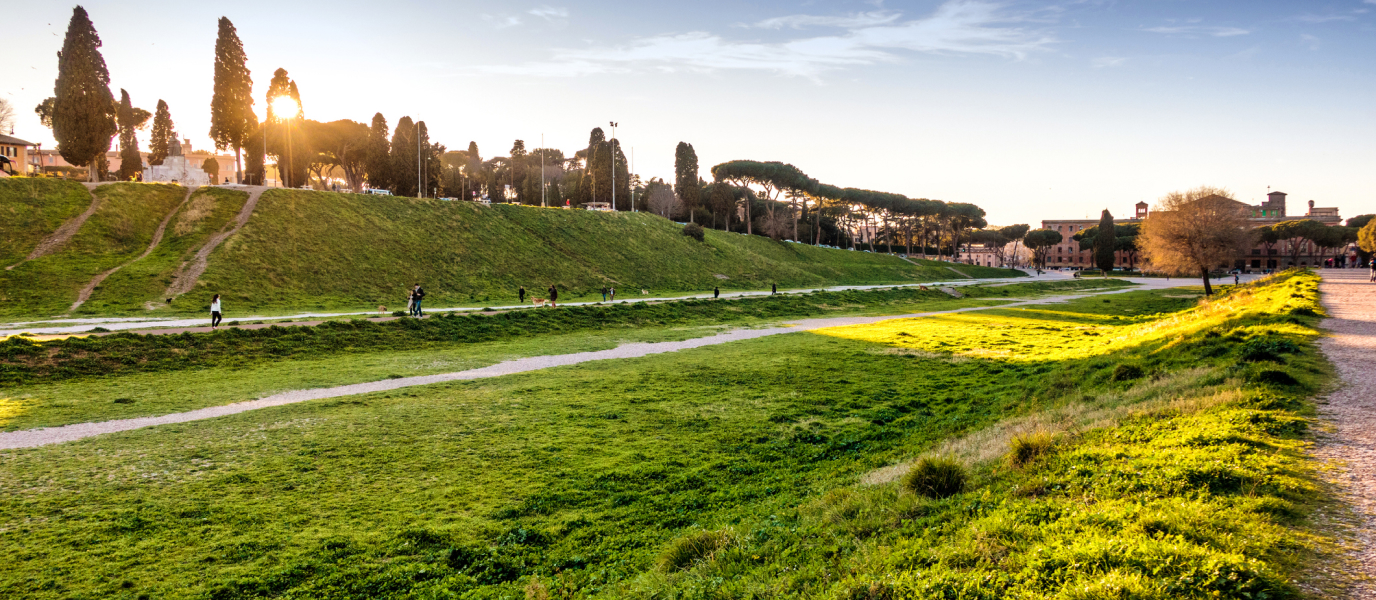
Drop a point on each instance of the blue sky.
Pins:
(1030, 109)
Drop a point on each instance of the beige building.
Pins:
(51, 158)
(15, 153)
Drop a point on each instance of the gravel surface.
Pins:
(53, 435)
(1350, 446)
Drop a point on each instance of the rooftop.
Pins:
(5, 139)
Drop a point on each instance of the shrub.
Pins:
(693, 230)
(1275, 377)
(1127, 372)
(935, 477)
(697, 546)
(1271, 349)
(1024, 449)
(398, 313)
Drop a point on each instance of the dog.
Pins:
(382, 310)
(644, 292)
(538, 301)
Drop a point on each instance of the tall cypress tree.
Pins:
(1105, 243)
(422, 160)
(83, 109)
(379, 167)
(231, 108)
(404, 158)
(255, 157)
(284, 140)
(686, 178)
(161, 138)
(130, 163)
(474, 169)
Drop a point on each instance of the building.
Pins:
(52, 158)
(1068, 255)
(16, 154)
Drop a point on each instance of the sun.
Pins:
(285, 107)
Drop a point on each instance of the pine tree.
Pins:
(403, 158)
(1105, 243)
(161, 138)
(379, 167)
(130, 163)
(83, 114)
(686, 178)
(231, 108)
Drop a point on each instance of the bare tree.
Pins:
(6, 116)
(1195, 231)
(664, 202)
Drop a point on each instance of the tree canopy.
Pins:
(1195, 231)
(83, 110)
(231, 106)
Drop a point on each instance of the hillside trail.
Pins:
(85, 293)
(64, 233)
(190, 272)
(30, 438)
(1350, 445)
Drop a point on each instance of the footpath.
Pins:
(1350, 446)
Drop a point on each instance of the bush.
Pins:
(1024, 449)
(693, 230)
(1274, 377)
(1271, 349)
(935, 477)
(683, 552)
(1127, 372)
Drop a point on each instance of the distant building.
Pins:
(53, 158)
(16, 153)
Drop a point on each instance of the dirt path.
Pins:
(85, 293)
(64, 233)
(957, 271)
(31, 438)
(1351, 445)
(186, 277)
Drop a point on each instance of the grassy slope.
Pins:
(119, 230)
(209, 211)
(32, 208)
(581, 476)
(324, 250)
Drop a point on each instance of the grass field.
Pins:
(772, 468)
(33, 208)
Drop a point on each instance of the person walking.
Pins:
(1373, 270)
(773, 288)
(521, 293)
(1236, 278)
(604, 293)
(417, 294)
(716, 293)
(611, 293)
(216, 317)
(553, 295)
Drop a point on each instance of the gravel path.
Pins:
(1351, 445)
(90, 288)
(54, 435)
(191, 271)
(64, 233)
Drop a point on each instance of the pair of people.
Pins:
(413, 301)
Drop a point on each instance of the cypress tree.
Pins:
(255, 158)
(404, 158)
(686, 178)
(422, 167)
(161, 138)
(83, 109)
(473, 169)
(379, 165)
(1105, 243)
(231, 108)
(284, 142)
(130, 163)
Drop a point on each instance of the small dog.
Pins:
(538, 301)
(381, 310)
(644, 292)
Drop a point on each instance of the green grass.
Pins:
(120, 230)
(32, 208)
(766, 468)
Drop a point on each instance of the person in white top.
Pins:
(215, 317)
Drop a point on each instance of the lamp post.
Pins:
(613, 145)
(542, 171)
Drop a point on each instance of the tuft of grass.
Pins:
(1025, 448)
(1127, 372)
(935, 477)
(692, 548)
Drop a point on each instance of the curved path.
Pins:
(185, 278)
(64, 233)
(1351, 445)
(85, 293)
(31, 438)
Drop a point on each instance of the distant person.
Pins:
(604, 293)
(1373, 270)
(611, 293)
(521, 293)
(716, 293)
(417, 294)
(773, 288)
(1236, 278)
(215, 316)
(553, 295)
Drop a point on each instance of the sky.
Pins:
(1032, 110)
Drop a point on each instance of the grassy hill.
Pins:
(318, 250)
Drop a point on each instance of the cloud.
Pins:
(1324, 18)
(502, 22)
(971, 27)
(1200, 30)
(1107, 61)
(849, 22)
(1311, 41)
(549, 13)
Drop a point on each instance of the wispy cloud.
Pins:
(1324, 18)
(958, 27)
(1107, 61)
(1310, 41)
(502, 22)
(1200, 30)
(549, 13)
(869, 19)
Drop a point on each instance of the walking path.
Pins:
(85, 293)
(54, 435)
(64, 233)
(190, 272)
(1351, 446)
